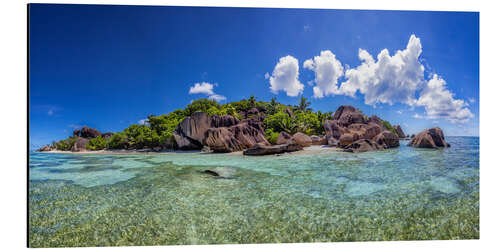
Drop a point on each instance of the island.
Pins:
(254, 127)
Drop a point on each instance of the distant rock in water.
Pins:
(269, 150)
(429, 138)
(400, 132)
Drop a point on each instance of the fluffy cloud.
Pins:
(327, 70)
(143, 122)
(207, 89)
(202, 88)
(439, 102)
(285, 77)
(389, 79)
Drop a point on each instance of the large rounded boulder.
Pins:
(387, 139)
(429, 138)
(302, 139)
(283, 138)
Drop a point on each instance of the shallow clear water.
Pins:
(316, 195)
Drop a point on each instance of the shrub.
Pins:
(97, 143)
(118, 141)
(64, 145)
(271, 136)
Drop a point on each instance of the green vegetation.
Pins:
(388, 126)
(97, 143)
(64, 145)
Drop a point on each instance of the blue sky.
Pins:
(110, 66)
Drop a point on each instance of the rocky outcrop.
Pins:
(400, 132)
(354, 132)
(222, 140)
(276, 149)
(252, 112)
(249, 134)
(45, 148)
(387, 139)
(333, 131)
(347, 115)
(429, 138)
(193, 128)
(221, 133)
(318, 140)
(283, 138)
(89, 133)
(79, 145)
(302, 139)
(224, 121)
(289, 112)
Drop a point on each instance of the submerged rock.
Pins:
(276, 149)
(429, 138)
(221, 172)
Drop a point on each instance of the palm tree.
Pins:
(252, 102)
(304, 104)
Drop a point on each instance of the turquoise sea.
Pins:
(318, 195)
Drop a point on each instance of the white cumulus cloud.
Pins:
(202, 88)
(206, 89)
(439, 102)
(389, 79)
(327, 70)
(285, 77)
